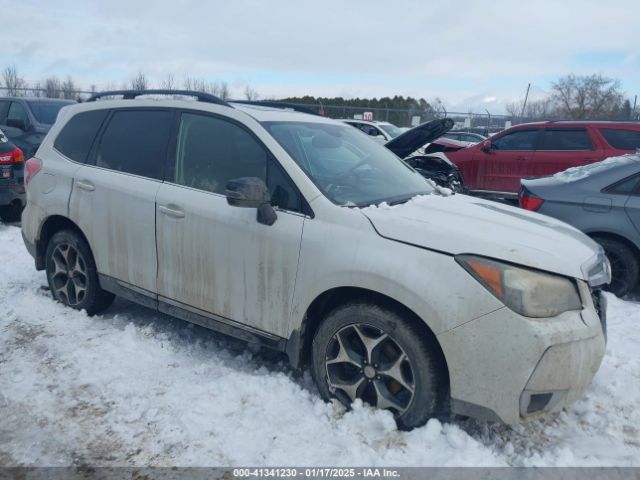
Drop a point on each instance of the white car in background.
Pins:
(380, 131)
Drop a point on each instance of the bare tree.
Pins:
(69, 90)
(139, 82)
(591, 97)
(37, 90)
(221, 89)
(168, 83)
(52, 87)
(250, 94)
(537, 109)
(13, 83)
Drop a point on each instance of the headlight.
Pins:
(525, 291)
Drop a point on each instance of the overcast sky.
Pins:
(472, 54)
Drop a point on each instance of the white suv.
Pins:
(299, 233)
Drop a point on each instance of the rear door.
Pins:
(113, 196)
(217, 259)
(512, 156)
(561, 148)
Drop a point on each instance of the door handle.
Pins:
(86, 185)
(174, 212)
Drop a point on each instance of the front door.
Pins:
(216, 258)
(510, 158)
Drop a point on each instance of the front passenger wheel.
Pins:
(372, 353)
(624, 266)
(72, 275)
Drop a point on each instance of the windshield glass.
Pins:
(346, 165)
(47, 112)
(390, 129)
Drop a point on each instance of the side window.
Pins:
(628, 186)
(4, 108)
(621, 139)
(518, 140)
(565, 139)
(135, 141)
(17, 112)
(76, 137)
(212, 151)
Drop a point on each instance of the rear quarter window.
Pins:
(628, 186)
(76, 138)
(621, 139)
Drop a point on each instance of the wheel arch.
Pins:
(48, 229)
(615, 236)
(299, 344)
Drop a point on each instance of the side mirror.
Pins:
(251, 192)
(16, 123)
(485, 146)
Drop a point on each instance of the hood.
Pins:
(460, 224)
(411, 140)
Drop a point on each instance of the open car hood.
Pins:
(411, 140)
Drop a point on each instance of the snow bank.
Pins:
(133, 387)
(578, 173)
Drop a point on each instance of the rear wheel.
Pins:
(11, 213)
(374, 354)
(72, 275)
(624, 265)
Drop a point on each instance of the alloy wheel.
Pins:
(69, 275)
(367, 363)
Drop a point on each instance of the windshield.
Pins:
(47, 112)
(347, 166)
(390, 129)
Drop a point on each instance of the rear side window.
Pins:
(565, 139)
(135, 141)
(518, 140)
(76, 138)
(628, 186)
(621, 139)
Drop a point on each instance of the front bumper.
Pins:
(506, 367)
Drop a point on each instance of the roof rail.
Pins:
(131, 94)
(275, 104)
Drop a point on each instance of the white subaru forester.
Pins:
(302, 234)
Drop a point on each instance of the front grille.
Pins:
(600, 302)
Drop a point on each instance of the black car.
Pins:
(12, 194)
(27, 120)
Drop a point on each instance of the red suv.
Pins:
(495, 166)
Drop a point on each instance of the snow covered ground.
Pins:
(133, 387)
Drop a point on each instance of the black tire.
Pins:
(421, 389)
(624, 265)
(11, 213)
(72, 274)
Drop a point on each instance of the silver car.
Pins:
(603, 200)
(299, 233)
